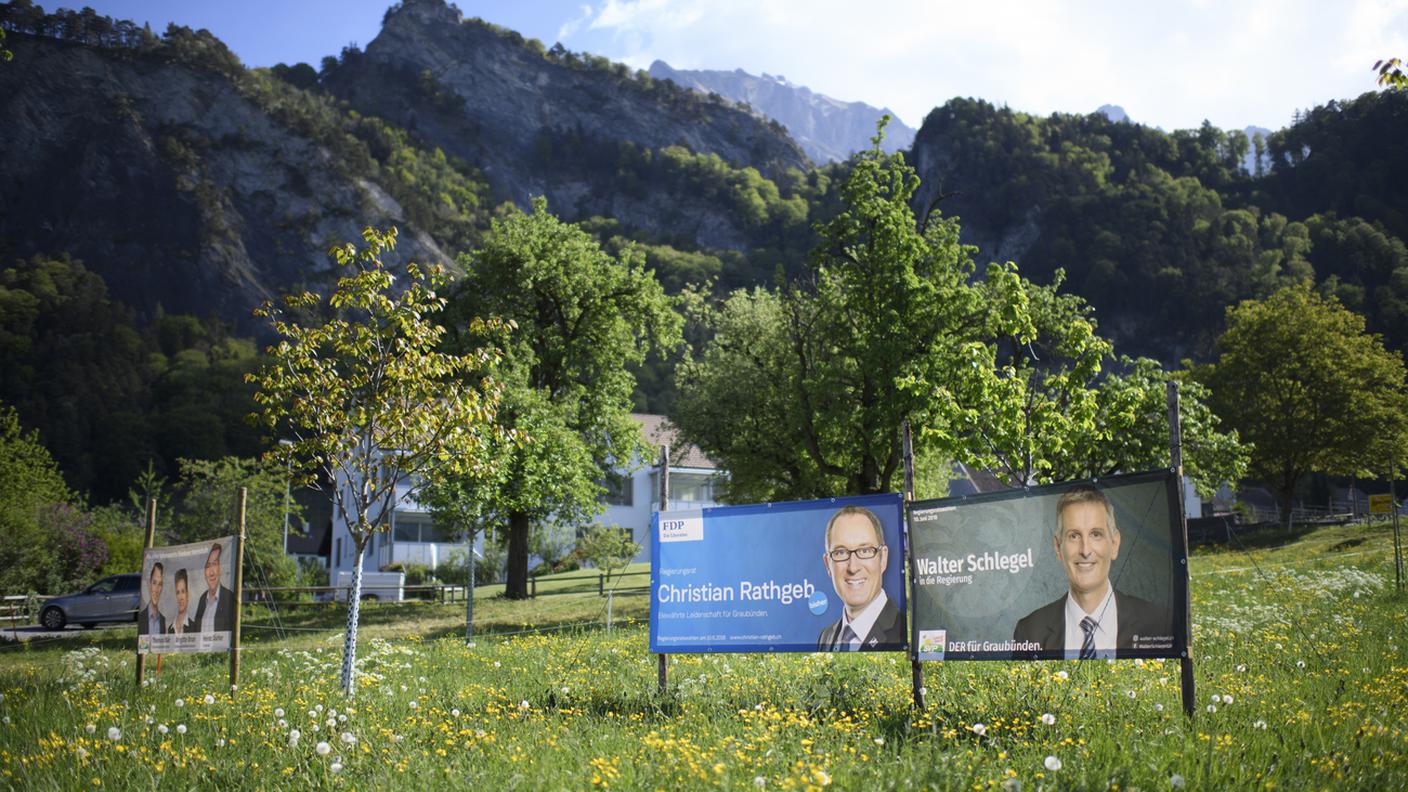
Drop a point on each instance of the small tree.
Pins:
(369, 399)
(608, 548)
(1299, 378)
(208, 488)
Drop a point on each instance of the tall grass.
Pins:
(1301, 672)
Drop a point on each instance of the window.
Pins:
(104, 586)
(127, 585)
(419, 528)
(692, 488)
(338, 553)
(619, 489)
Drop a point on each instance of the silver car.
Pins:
(112, 599)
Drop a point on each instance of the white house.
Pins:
(631, 497)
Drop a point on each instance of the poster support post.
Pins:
(239, 593)
(151, 538)
(916, 668)
(1175, 444)
(662, 673)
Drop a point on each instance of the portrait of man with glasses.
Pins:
(856, 557)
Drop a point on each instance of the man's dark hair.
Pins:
(157, 567)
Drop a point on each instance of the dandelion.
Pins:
(1158, 708)
(414, 704)
(114, 733)
(312, 714)
(979, 729)
(1176, 781)
(1227, 699)
(1011, 785)
(496, 664)
(342, 718)
(323, 749)
(1212, 708)
(1048, 718)
(1241, 668)
(209, 699)
(220, 743)
(82, 754)
(759, 782)
(1300, 664)
(335, 767)
(1261, 724)
(283, 724)
(278, 712)
(90, 728)
(1062, 675)
(319, 708)
(397, 738)
(180, 703)
(348, 738)
(1216, 699)
(455, 713)
(1129, 693)
(1052, 763)
(879, 740)
(161, 727)
(523, 705)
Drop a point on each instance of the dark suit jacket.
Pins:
(224, 611)
(171, 628)
(143, 619)
(888, 632)
(1137, 617)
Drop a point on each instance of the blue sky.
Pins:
(1169, 64)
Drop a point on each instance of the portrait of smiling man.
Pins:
(1092, 619)
(856, 558)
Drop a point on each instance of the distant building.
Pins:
(632, 494)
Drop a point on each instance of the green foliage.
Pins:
(36, 521)
(608, 548)
(583, 317)
(1391, 74)
(111, 396)
(369, 399)
(797, 394)
(208, 492)
(1300, 380)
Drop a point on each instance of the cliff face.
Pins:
(539, 122)
(171, 184)
(829, 130)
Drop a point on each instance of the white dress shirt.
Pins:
(862, 623)
(1106, 625)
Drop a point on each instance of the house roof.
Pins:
(659, 431)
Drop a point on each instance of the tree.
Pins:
(798, 392)
(608, 548)
(584, 318)
(30, 489)
(369, 399)
(1300, 380)
(208, 489)
(1046, 408)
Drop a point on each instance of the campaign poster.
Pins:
(801, 576)
(1078, 570)
(187, 604)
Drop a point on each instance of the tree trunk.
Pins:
(354, 611)
(1288, 494)
(469, 596)
(517, 585)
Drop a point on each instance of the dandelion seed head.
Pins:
(323, 749)
(1047, 718)
(1052, 763)
(114, 733)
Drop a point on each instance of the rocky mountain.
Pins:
(829, 130)
(573, 127)
(171, 180)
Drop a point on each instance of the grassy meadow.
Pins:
(1302, 674)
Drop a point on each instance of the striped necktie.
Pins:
(1087, 645)
(847, 635)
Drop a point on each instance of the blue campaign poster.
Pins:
(802, 576)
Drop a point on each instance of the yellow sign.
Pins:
(1381, 504)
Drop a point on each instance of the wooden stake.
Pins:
(1175, 445)
(151, 538)
(239, 593)
(662, 674)
(915, 667)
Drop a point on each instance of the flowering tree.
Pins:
(369, 400)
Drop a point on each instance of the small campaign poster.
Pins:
(802, 576)
(1078, 570)
(187, 603)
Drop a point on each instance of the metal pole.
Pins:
(1175, 445)
(916, 668)
(662, 675)
(288, 490)
(151, 538)
(238, 592)
(469, 595)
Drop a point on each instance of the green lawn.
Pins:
(1302, 676)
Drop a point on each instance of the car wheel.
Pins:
(53, 618)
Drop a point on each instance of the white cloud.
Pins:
(1235, 63)
(571, 26)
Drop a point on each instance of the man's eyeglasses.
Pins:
(839, 554)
